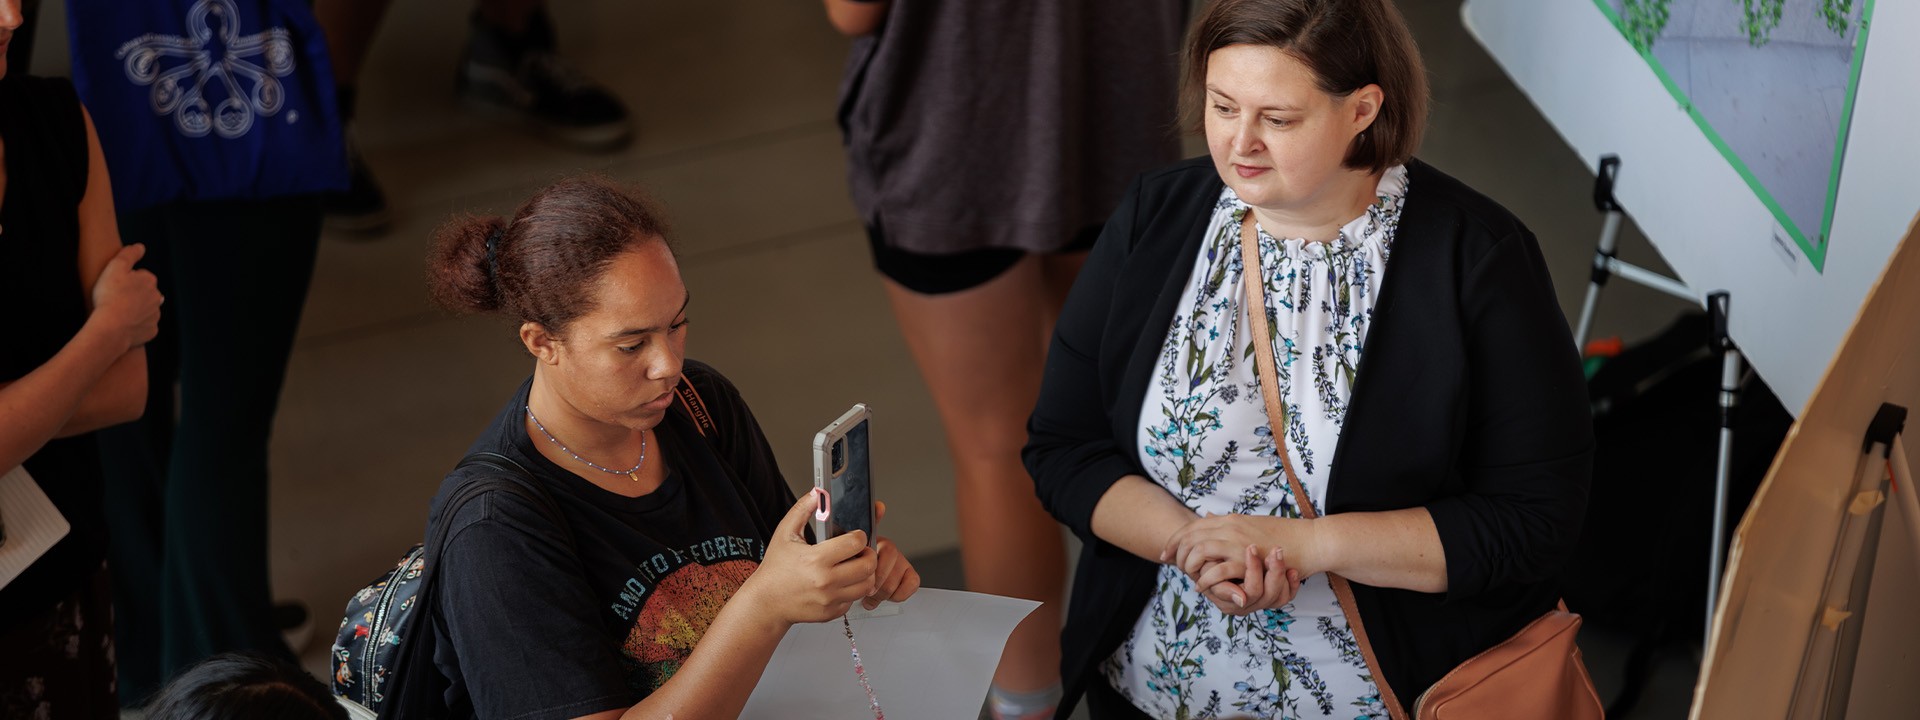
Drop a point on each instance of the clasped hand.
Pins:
(1243, 563)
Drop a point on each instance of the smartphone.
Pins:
(842, 468)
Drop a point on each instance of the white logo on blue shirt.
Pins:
(180, 69)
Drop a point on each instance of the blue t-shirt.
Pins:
(208, 99)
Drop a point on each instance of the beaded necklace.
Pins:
(631, 473)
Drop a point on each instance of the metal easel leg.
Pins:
(1603, 254)
(1717, 307)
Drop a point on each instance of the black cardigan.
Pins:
(1469, 402)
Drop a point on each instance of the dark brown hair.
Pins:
(546, 258)
(1348, 44)
(236, 686)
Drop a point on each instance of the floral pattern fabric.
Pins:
(1204, 436)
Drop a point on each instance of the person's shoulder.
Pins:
(50, 103)
(712, 386)
(52, 118)
(1191, 174)
(34, 87)
(1164, 201)
(1437, 195)
(491, 490)
(1439, 204)
(496, 520)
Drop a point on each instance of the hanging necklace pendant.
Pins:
(634, 475)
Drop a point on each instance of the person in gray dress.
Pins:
(987, 141)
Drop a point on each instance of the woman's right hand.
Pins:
(127, 301)
(802, 582)
(1256, 581)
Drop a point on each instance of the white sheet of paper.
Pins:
(33, 525)
(931, 660)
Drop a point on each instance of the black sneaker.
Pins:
(523, 75)
(362, 207)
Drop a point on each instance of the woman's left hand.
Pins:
(1220, 538)
(894, 577)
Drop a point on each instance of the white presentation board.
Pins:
(1767, 149)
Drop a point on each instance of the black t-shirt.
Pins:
(530, 627)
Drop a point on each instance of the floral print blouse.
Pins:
(1204, 436)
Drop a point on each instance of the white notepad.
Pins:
(33, 525)
(929, 658)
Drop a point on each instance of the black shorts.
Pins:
(939, 274)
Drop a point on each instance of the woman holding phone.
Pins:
(682, 558)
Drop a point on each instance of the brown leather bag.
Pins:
(1537, 673)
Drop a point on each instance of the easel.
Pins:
(1816, 621)
(1826, 671)
(1605, 266)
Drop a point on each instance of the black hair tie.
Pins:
(493, 249)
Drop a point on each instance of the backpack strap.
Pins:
(414, 687)
(696, 408)
(690, 401)
(521, 484)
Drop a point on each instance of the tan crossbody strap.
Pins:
(1256, 305)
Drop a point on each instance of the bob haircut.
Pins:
(1347, 44)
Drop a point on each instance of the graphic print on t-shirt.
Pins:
(673, 599)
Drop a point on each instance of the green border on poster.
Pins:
(1846, 121)
(1816, 247)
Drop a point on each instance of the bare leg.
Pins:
(980, 354)
(1060, 271)
(350, 26)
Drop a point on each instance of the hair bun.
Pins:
(460, 268)
(546, 260)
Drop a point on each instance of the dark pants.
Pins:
(1106, 703)
(187, 499)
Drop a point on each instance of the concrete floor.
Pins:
(733, 103)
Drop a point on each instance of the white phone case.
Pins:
(848, 478)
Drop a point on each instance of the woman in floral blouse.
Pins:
(1451, 483)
